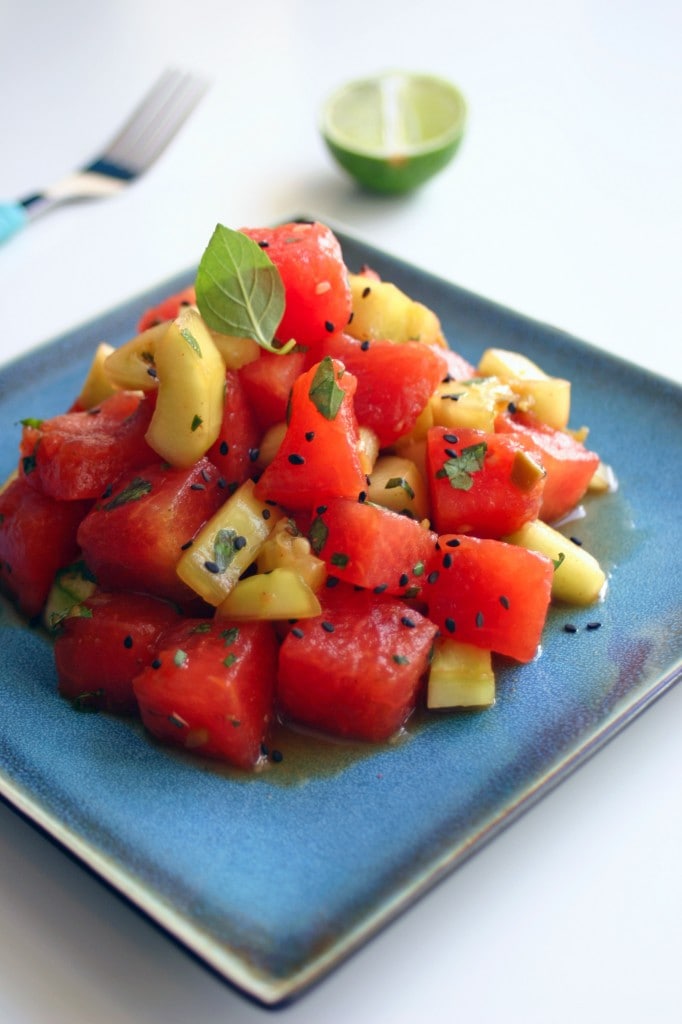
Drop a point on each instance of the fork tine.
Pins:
(155, 121)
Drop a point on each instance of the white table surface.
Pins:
(564, 203)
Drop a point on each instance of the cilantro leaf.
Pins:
(400, 481)
(136, 489)
(239, 289)
(459, 470)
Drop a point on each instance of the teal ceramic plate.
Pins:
(272, 880)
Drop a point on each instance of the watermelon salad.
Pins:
(286, 500)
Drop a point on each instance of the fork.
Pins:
(150, 128)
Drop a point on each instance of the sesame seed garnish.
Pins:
(328, 627)
(577, 540)
(362, 497)
(332, 581)
(570, 628)
(479, 620)
(296, 460)
(152, 372)
(277, 756)
(322, 286)
(404, 580)
(310, 434)
(239, 543)
(364, 345)
(366, 291)
(329, 326)
(266, 513)
(212, 567)
(511, 408)
(593, 625)
(107, 491)
(264, 245)
(504, 601)
(321, 509)
(447, 560)
(433, 576)
(254, 454)
(407, 621)
(298, 632)
(224, 448)
(450, 625)
(186, 545)
(156, 663)
(451, 438)
(128, 641)
(452, 543)
(380, 588)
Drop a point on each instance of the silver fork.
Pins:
(150, 128)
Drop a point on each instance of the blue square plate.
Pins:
(274, 879)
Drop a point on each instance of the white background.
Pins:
(564, 203)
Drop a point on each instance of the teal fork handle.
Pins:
(13, 217)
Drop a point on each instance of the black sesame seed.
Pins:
(264, 245)
(366, 291)
(577, 540)
(380, 588)
(211, 567)
(222, 483)
(107, 491)
(504, 601)
(407, 621)
(479, 619)
(404, 580)
(321, 509)
(152, 372)
(186, 545)
(206, 475)
(362, 497)
(329, 326)
(433, 576)
(451, 453)
(364, 345)
(254, 453)
(277, 756)
(452, 543)
(296, 460)
(328, 627)
(239, 543)
(224, 448)
(310, 434)
(332, 581)
(593, 625)
(156, 663)
(451, 438)
(197, 487)
(266, 513)
(511, 407)
(128, 641)
(570, 628)
(450, 625)
(298, 632)
(447, 560)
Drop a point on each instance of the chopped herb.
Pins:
(339, 559)
(325, 393)
(229, 660)
(30, 421)
(203, 627)
(557, 561)
(400, 481)
(230, 635)
(196, 422)
(136, 489)
(459, 471)
(179, 658)
(191, 341)
(418, 569)
(318, 533)
(224, 548)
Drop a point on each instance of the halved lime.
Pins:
(394, 131)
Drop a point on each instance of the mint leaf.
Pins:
(325, 393)
(136, 489)
(459, 470)
(400, 481)
(239, 289)
(224, 547)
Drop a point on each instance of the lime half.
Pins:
(394, 131)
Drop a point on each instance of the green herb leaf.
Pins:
(239, 289)
(340, 559)
(317, 535)
(557, 561)
(31, 421)
(230, 635)
(179, 658)
(325, 393)
(196, 422)
(223, 547)
(228, 662)
(459, 470)
(136, 489)
(192, 341)
(400, 481)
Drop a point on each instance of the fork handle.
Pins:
(13, 217)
